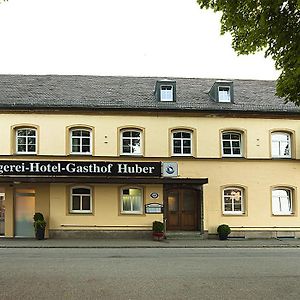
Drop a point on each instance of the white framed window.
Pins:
(26, 141)
(131, 142)
(233, 201)
(224, 94)
(81, 141)
(181, 143)
(231, 144)
(81, 200)
(282, 201)
(166, 93)
(132, 200)
(281, 145)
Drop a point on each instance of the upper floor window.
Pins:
(231, 144)
(222, 91)
(233, 200)
(224, 94)
(281, 145)
(26, 141)
(181, 142)
(165, 90)
(282, 201)
(131, 142)
(81, 141)
(132, 200)
(166, 93)
(81, 200)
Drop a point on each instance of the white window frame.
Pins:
(132, 211)
(182, 140)
(166, 93)
(222, 96)
(231, 141)
(81, 195)
(27, 138)
(280, 199)
(81, 138)
(233, 200)
(280, 146)
(131, 139)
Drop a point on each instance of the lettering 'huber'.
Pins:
(135, 169)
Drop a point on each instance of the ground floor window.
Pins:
(81, 200)
(282, 201)
(233, 200)
(132, 200)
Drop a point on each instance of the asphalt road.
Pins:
(150, 273)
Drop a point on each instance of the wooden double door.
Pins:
(182, 209)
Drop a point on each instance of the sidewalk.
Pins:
(144, 243)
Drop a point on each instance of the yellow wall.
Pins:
(257, 174)
(53, 137)
(106, 212)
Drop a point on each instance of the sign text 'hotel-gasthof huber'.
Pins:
(79, 168)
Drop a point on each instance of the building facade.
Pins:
(107, 156)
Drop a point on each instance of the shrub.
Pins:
(223, 231)
(38, 217)
(39, 224)
(157, 226)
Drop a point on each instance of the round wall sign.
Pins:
(154, 195)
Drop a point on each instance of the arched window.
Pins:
(26, 141)
(281, 145)
(132, 200)
(231, 144)
(131, 142)
(182, 142)
(233, 200)
(282, 201)
(81, 200)
(80, 141)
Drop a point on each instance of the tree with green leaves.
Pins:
(269, 25)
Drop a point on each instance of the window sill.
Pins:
(123, 213)
(131, 154)
(25, 153)
(234, 214)
(81, 154)
(182, 155)
(232, 156)
(283, 214)
(81, 212)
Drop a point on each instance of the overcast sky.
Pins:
(164, 38)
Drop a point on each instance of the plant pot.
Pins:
(223, 237)
(40, 233)
(158, 236)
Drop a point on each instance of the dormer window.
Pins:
(222, 91)
(224, 94)
(166, 93)
(165, 90)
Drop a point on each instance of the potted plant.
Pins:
(223, 231)
(158, 231)
(39, 226)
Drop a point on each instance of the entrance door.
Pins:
(24, 211)
(182, 209)
(2, 214)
